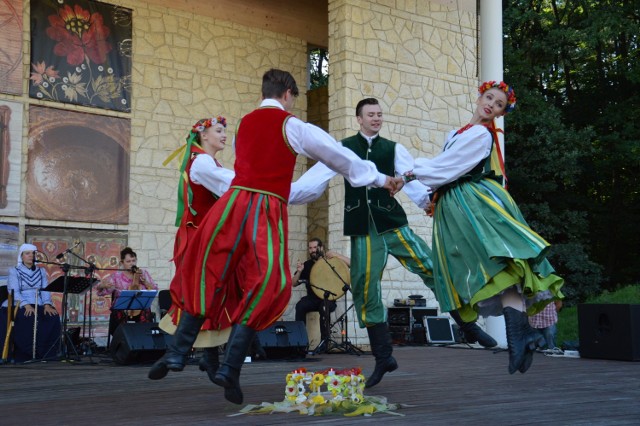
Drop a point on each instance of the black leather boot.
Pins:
(209, 362)
(228, 375)
(472, 332)
(176, 356)
(381, 348)
(522, 340)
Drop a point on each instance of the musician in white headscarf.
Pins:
(33, 339)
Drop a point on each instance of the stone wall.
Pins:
(418, 58)
(185, 67)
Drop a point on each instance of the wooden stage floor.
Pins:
(441, 385)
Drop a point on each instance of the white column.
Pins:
(491, 68)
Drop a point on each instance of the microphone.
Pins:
(61, 255)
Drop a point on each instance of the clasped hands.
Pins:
(393, 184)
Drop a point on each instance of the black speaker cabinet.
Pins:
(138, 342)
(609, 331)
(285, 339)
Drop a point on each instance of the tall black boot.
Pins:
(381, 348)
(522, 340)
(209, 362)
(228, 375)
(176, 356)
(472, 332)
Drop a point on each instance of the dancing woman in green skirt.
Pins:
(487, 260)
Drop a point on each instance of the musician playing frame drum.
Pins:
(313, 301)
(37, 323)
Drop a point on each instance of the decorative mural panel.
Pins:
(77, 166)
(11, 46)
(81, 53)
(11, 114)
(8, 250)
(99, 248)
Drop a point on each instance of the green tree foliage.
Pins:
(574, 140)
(318, 68)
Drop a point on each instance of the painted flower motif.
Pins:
(79, 34)
(41, 73)
(75, 87)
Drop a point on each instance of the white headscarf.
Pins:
(23, 248)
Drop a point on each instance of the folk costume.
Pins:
(476, 218)
(247, 230)
(202, 181)
(27, 285)
(378, 227)
(487, 260)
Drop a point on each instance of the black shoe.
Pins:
(381, 348)
(209, 362)
(228, 374)
(176, 356)
(383, 366)
(522, 340)
(472, 333)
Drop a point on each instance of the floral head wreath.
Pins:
(208, 122)
(508, 90)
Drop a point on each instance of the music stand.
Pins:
(66, 285)
(134, 300)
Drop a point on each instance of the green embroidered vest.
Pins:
(362, 203)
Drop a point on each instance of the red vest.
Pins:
(202, 199)
(264, 158)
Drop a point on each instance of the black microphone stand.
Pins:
(346, 346)
(89, 271)
(325, 343)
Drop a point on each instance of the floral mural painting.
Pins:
(81, 53)
(11, 46)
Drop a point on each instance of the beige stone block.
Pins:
(151, 77)
(387, 52)
(198, 59)
(404, 56)
(155, 39)
(399, 107)
(156, 25)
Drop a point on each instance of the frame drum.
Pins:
(326, 274)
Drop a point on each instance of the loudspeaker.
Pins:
(609, 331)
(139, 342)
(284, 339)
(439, 330)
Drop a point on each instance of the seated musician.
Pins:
(129, 277)
(311, 302)
(37, 323)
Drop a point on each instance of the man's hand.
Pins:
(393, 185)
